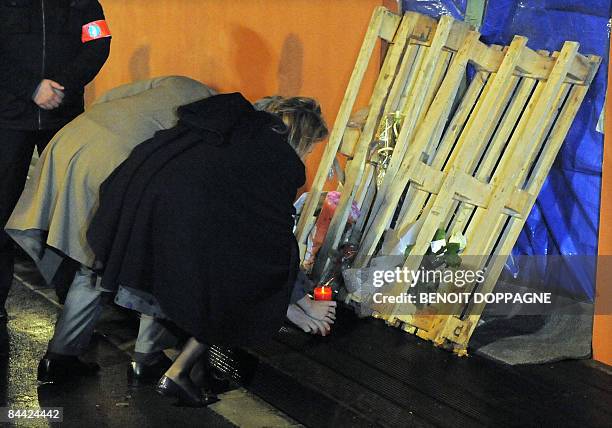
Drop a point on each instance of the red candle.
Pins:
(323, 293)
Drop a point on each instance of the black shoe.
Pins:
(67, 367)
(168, 388)
(141, 374)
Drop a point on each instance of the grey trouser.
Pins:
(82, 308)
(153, 337)
(81, 312)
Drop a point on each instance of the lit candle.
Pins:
(323, 293)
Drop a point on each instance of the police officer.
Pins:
(49, 51)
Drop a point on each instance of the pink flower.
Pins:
(333, 198)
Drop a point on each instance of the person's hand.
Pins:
(322, 310)
(297, 316)
(48, 95)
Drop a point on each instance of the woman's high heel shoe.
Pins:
(168, 388)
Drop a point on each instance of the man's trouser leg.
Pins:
(152, 339)
(16, 148)
(82, 308)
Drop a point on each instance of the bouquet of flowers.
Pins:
(319, 231)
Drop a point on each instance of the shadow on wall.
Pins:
(290, 67)
(139, 68)
(252, 62)
(140, 63)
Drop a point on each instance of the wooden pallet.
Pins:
(507, 184)
(468, 161)
(483, 175)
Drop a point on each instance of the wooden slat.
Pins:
(457, 35)
(519, 203)
(438, 75)
(389, 25)
(364, 186)
(349, 141)
(535, 66)
(410, 61)
(423, 30)
(487, 60)
(581, 68)
(539, 67)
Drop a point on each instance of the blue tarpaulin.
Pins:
(565, 219)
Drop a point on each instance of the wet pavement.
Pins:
(106, 399)
(103, 400)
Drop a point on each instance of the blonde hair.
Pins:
(304, 124)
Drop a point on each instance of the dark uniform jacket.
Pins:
(41, 39)
(201, 217)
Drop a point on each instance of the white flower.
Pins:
(458, 238)
(438, 245)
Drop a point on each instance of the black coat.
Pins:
(41, 39)
(201, 216)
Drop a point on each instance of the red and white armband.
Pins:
(95, 30)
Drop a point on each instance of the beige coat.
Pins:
(54, 211)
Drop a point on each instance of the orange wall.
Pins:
(257, 47)
(602, 328)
